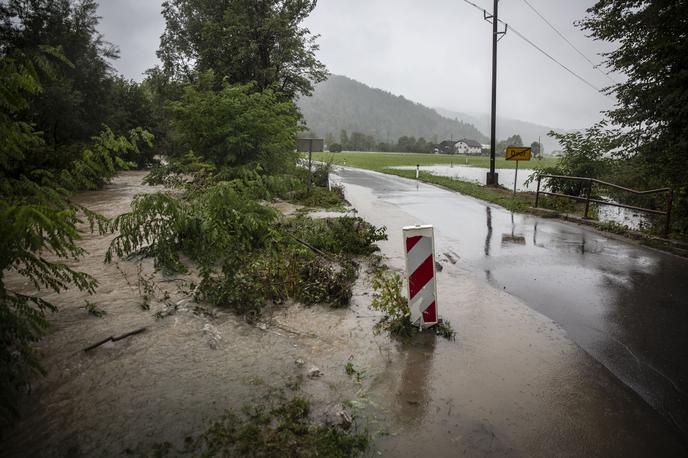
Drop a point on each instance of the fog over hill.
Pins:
(342, 103)
(507, 127)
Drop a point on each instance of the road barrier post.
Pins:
(417, 170)
(587, 199)
(310, 161)
(515, 177)
(419, 246)
(537, 193)
(670, 201)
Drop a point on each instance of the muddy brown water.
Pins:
(512, 384)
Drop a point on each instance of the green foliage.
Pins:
(210, 226)
(351, 371)
(94, 310)
(342, 235)
(282, 429)
(583, 157)
(444, 329)
(330, 199)
(236, 125)
(514, 140)
(245, 258)
(324, 283)
(647, 130)
(321, 173)
(389, 299)
(242, 41)
(79, 93)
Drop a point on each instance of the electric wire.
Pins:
(524, 38)
(545, 53)
(595, 66)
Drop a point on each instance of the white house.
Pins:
(466, 146)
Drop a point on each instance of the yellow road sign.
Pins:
(518, 153)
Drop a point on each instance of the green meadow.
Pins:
(379, 161)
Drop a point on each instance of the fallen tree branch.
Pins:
(309, 246)
(115, 338)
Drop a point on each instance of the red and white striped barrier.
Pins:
(419, 244)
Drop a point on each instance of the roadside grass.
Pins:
(379, 161)
(495, 194)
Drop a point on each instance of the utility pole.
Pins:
(492, 177)
(539, 148)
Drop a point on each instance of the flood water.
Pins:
(606, 213)
(477, 174)
(512, 384)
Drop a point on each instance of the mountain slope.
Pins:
(507, 127)
(342, 103)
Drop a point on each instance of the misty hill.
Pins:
(342, 103)
(507, 127)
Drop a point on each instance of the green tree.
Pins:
(242, 41)
(75, 102)
(236, 125)
(535, 147)
(514, 140)
(344, 139)
(650, 120)
(131, 106)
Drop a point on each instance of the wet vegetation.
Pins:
(389, 299)
(283, 427)
(245, 254)
(282, 430)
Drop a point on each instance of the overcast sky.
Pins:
(436, 52)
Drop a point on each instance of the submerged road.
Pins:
(625, 305)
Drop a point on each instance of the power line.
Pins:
(523, 37)
(549, 56)
(595, 66)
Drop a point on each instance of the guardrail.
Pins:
(587, 199)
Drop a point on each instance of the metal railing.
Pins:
(587, 199)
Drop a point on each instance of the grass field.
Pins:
(378, 161)
(381, 161)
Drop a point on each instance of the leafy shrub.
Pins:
(321, 173)
(245, 260)
(583, 157)
(389, 299)
(209, 227)
(319, 197)
(342, 235)
(323, 283)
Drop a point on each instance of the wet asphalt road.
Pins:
(625, 305)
